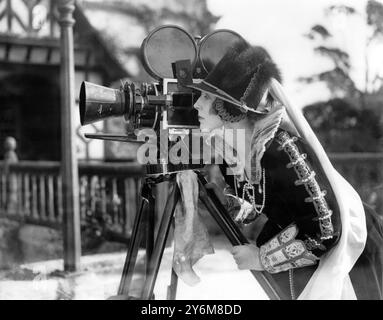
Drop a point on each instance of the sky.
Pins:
(280, 25)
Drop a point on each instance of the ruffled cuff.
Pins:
(284, 252)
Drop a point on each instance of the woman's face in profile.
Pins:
(207, 116)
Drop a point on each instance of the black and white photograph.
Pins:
(218, 151)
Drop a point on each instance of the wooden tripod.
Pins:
(144, 224)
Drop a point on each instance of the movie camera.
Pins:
(173, 58)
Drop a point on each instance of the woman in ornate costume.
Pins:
(318, 235)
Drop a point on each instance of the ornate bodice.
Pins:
(303, 215)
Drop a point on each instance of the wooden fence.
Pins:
(109, 192)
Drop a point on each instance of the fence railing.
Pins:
(109, 194)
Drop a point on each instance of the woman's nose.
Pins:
(197, 105)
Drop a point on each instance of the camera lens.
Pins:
(98, 103)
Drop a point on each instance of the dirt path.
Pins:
(220, 279)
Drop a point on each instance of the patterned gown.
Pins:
(303, 220)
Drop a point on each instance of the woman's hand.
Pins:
(247, 257)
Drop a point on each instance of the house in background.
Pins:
(107, 35)
(29, 75)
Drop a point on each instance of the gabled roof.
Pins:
(20, 44)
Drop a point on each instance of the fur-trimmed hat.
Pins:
(241, 78)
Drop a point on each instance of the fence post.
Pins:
(69, 165)
(10, 157)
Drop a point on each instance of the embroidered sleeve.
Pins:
(306, 177)
(314, 230)
(284, 252)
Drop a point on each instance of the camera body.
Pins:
(163, 105)
(173, 58)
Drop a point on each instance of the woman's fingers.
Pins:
(246, 257)
(234, 249)
(240, 261)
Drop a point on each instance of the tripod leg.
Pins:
(160, 243)
(172, 289)
(235, 236)
(127, 273)
(150, 213)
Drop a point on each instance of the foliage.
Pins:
(338, 79)
(93, 230)
(320, 30)
(194, 16)
(352, 123)
(340, 8)
(343, 127)
(374, 12)
(98, 223)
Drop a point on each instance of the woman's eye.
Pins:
(207, 96)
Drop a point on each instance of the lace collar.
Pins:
(264, 130)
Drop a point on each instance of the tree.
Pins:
(338, 79)
(343, 127)
(351, 121)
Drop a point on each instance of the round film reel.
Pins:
(164, 46)
(213, 47)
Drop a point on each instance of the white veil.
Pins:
(331, 280)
